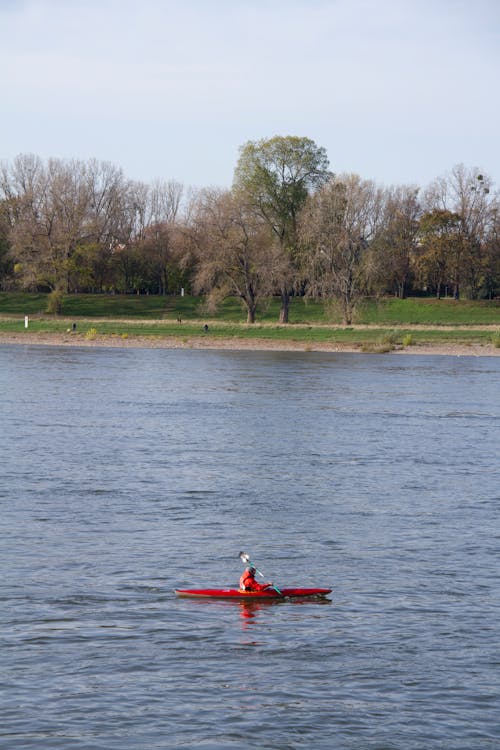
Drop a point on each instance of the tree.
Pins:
(90, 267)
(337, 225)
(394, 247)
(232, 246)
(440, 241)
(466, 193)
(163, 248)
(22, 185)
(129, 269)
(164, 202)
(55, 210)
(106, 190)
(147, 236)
(6, 264)
(274, 178)
(492, 254)
(475, 203)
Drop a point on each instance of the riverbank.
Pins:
(27, 338)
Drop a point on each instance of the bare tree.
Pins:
(394, 246)
(440, 244)
(161, 234)
(23, 187)
(106, 186)
(56, 210)
(165, 200)
(492, 252)
(467, 193)
(233, 250)
(337, 226)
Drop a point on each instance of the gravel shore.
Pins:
(206, 342)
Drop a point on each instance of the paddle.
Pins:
(246, 559)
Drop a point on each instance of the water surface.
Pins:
(127, 473)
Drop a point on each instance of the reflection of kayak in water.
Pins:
(291, 593)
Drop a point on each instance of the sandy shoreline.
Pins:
(232, 344)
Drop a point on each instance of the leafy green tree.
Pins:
(130, 269)
(159, 247)
(90, 267)
(274, 177)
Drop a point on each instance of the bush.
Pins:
(91, 334)
(386, 343)
(54, 302)
(391, 339)
(380, 346)
(495, 339)
(407, 339)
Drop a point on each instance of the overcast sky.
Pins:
(398, 91)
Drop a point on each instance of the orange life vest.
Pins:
(248, 582)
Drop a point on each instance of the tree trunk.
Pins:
(285, 306)
(250, 313)
(347, 310)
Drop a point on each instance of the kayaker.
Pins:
(248, 582)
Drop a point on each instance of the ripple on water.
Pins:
(142, 471)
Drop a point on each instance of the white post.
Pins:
(182, 291)
(26, 321)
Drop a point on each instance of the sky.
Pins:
(397, 91)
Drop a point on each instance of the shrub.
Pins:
(495, 339)
(386, 343)
(54, 302)
(392, 338)
(377, 347)
(91, 334)
(407, 339)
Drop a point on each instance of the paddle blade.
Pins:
(244, 557)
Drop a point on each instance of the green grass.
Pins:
(311, 322)
(415, 311)
(385, 312)
(306, 335)
(19, 303)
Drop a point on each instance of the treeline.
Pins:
(288, 226)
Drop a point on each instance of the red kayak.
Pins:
(251, 595)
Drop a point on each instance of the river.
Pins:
(128, 473)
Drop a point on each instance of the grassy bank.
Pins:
(303, 334)
(383, 312)
(379, 324)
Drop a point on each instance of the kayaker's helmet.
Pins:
(251, 569)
